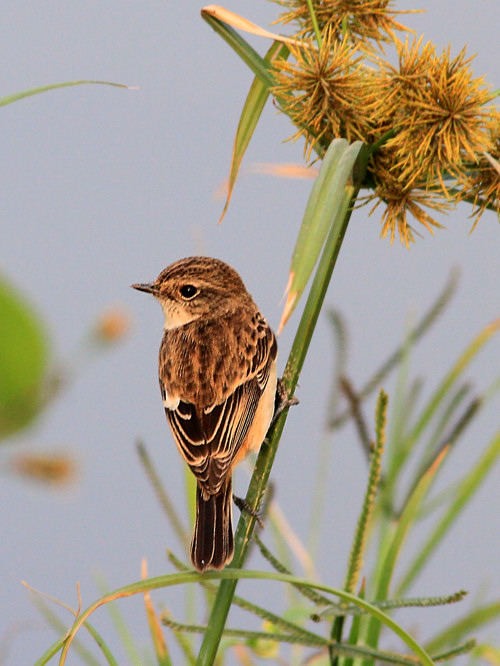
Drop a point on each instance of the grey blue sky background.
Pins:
(102, 187)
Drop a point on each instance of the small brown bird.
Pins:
(217, 372)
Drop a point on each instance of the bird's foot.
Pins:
(282, 400)
(243, 505)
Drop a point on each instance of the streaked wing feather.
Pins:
(210, 442)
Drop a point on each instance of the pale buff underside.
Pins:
(261, 421)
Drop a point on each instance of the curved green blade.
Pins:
(252, 110)
(240, 46)
(8, 99)
(336, 175)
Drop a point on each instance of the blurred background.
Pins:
(102, 187)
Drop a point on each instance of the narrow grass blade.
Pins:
(464, 648)
(388, 563)
(335, 174)
(307, 638)
(227, 574)
(274, 524)
(420, 329)
(358, 419)
(310, 594)
(464, 493)
(355, 631)
(252, 110)
(334, 610)
(401, 417)
(184, 641)
(237, 21)
(240, 46)
(289, 542)
(162, 495)
(121, 627)
(23, 361)
(475, 619)
(60, 627)
(448, 413)
(53, 619)
(448, 441)
(362, 652)
(449, 381)
(356, 555)
(314, 21)
(157, 637)
(259, 611)
(8, 99)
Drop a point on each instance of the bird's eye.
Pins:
(189, 291)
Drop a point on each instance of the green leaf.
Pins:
(8, 99)
(240, 46)
(388, 562)
(445, 389)
(162, 495)
(228, 574)
(252, 110)
(459, 629)
(463, 494)
(60, 627)
(120, 625)
(23, 361)
(358, 547)
(334, 179)
(414, 335)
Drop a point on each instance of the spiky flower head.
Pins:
(481, 186)
(428, 117)
(358, 20)
(436, 112)
(324, 91)
(403, 201)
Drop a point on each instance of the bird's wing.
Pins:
(209, 439)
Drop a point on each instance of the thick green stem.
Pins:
(264, 463)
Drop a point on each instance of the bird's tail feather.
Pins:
(212, 545)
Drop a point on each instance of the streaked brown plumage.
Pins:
(217, 371)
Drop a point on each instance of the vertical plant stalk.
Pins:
(361, 534)
(314, 20)
(360, 538)
(268, 449)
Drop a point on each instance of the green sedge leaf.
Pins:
(8, 99)
(335, 175)
(464, 492)
(406, 520)
(228, 574)
(449, 382)
(252, 110)
(240, 46)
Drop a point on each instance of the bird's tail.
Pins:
(212, 545)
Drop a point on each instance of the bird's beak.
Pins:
(148, 287)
